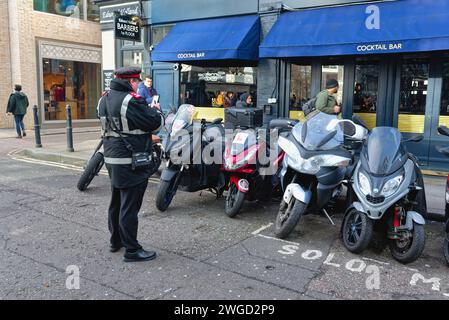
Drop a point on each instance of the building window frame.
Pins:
(84, 17)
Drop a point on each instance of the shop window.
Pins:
(81, 9)
(414, 82)
(300, 86)
(217, 87)
(71, 83)
(93, 11)
(366, 88)
(132, 58)
(336, 72)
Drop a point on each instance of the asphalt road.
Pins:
(48, 229)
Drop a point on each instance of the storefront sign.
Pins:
(212, 76)
(194, 55)
(108, 75)
(388, 47)
(107, 14)
(127, 28)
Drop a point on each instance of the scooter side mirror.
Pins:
(217, 121)
(417, 138)
(443, 130)
(359, 121)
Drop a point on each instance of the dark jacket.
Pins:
(242, 102)
(146, 93)
(136, 121)
(18, 103)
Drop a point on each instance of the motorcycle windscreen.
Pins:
(243, 141)
(383, 151)
(183, 118)
(318, 134)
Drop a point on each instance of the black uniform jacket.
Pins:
(136, 121)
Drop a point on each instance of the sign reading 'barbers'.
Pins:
(127, 29)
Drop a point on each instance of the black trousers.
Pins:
(123, 210)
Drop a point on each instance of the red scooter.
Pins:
(247, 178)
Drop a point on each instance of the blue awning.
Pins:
(384, 27)
(233, 38)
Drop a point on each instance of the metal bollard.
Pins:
(37, 128)
(69, 129)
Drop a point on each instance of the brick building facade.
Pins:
(30, 40)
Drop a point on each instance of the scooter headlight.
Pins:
(391, 186)
(365, 185)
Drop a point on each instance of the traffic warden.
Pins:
(127, 124)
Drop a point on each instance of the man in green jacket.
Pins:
(17, 105)
(326, 101)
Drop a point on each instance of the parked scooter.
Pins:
(443, 130)
(181, 169)
(387, 190)
(247, 177)
(314, 168)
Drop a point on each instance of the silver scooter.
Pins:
(387, 191)
(314, 168)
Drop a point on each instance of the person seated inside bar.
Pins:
(200, 97)
(246, 101)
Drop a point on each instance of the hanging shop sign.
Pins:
(108, 13)
(127, 28)
(108, 75)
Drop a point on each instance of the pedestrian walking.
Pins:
(326, 101)
(146, 89)
(127, 123)
(17, 106)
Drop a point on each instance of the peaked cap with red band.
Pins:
(128, 73)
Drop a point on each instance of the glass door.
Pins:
(336, 72)
(415, 104)
(366, 92)
(300, 89)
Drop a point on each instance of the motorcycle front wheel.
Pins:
(234, 201)
(288, 217)
(357, 231)
(92, 169)
(165, 194)
(409, 250)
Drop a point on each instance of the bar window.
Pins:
(217, 87)
(444, 106)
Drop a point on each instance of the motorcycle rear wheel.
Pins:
(92, 169)
(234, 201)
(288, 217)
(407, 252)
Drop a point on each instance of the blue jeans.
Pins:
(18, 118)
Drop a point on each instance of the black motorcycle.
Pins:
(183, 147)
(443, 130)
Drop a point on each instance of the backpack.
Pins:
(309, 106)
